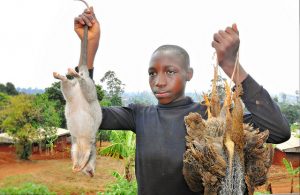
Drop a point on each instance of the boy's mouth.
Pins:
(161, 94)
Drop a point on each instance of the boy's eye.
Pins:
(171, 72)
(152, 74)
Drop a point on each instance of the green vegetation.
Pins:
(290, 110)
(9, 89)
(115, 88)
(122, 147)
(261, 193)
(295, 126)
(20, 122)
(292, 171)
(26, 189)
(24, 116)
(121, 186)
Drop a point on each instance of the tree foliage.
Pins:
(20, 122)
(54, 94)
(291, 111)
(49, 120)
(24, 116)
(9, 89)
(115, 88)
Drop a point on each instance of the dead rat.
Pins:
(83, 113)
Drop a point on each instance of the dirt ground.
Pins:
(55, 172)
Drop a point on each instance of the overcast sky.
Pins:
(37, 38)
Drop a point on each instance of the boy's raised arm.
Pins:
(88, 18)
(265, 113)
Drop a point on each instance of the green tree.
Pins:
(49, 120)
(54, 94)
(2, 88)
(123, 146)
(20, 122)
(276, 99)
(9, 89)
(291, 112)
(115, 88)
(4, 100)
(100, 92)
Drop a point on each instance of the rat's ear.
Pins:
(189, 74)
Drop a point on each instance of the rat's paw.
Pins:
(73, 73)
(58, 76)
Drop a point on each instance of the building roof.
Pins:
(291, 145)
(5, 138)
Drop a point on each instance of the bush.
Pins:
(120, 187)
(27, 189)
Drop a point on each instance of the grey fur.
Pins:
(83, 114)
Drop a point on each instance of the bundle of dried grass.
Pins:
(223, 155)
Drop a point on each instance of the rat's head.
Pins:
(169, 70)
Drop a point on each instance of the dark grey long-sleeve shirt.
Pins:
(160, 135)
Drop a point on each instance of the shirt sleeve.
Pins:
(117, 118)
(265, 113)
(91, 72)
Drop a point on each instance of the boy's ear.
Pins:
(189, 74)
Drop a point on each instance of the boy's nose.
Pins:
(161, 81)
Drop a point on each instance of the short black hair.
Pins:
(178, 51)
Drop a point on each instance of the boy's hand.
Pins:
(227, 44)
(88, 18)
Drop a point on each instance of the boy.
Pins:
(160, 130)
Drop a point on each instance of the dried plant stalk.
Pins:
(215, 146)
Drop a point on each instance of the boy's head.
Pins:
(169, 70)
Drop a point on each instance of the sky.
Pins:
(37, 38)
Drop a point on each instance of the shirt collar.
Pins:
(183, 102)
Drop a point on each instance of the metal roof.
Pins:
(291, 145)
(5, 138)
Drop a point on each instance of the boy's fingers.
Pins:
(230, 30)
(89, 10)
(86, 20)
(217, 37)
(79, 20)
(234, 27)
(90, 17)
(215, 44)
(92, 9)
(224, 34)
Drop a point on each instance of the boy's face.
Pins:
(167, 77)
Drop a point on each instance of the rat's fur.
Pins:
(83, 114)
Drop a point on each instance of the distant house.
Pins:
(64, 138)
(289, 150)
